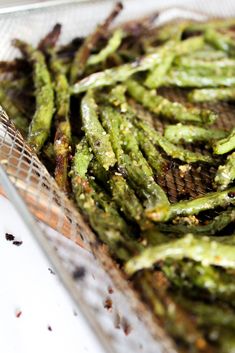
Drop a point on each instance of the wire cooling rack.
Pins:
(117, 316)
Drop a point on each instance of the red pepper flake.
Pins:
(18, 313)
(49, 328)
(9, 236)
(17, 242)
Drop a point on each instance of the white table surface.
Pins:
(28, 286)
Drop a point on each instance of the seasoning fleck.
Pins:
(75, 313)
(9, 237)
(17, 242)
(51, 271)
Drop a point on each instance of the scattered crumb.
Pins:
(49, 328)
(108, 304)
(201, 343)
(18, 313)
(17, 242)
(96, 310)
(126, 326)
(9, 236)
(117, 321)
(110, 290)
(144, 242)
(75, 313)
(214, 335)
(51, 271)
(79, 273)
(184, 169)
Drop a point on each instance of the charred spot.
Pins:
(50, 40)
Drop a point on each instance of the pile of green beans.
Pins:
(89, 109)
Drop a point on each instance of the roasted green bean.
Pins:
(166, 108)
(226, 173)
(202, 250)
(96, 135)
(225, 145)
(190, 133)
(193, 207)
(41, 121)
(171, 149)
(82, 55)
(212, 95)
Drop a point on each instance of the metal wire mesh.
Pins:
(104, 288)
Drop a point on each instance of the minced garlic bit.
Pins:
(184, 169)
(189, 220)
